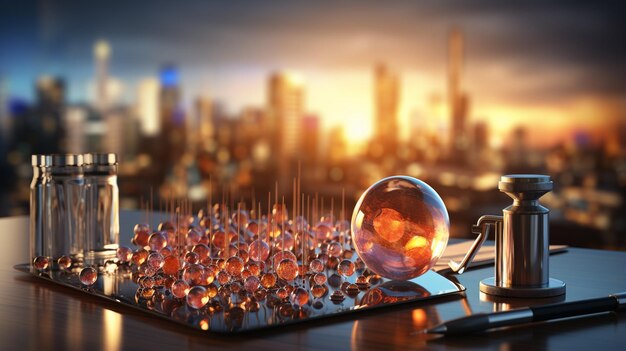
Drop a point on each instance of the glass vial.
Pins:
(41, 176)
(64, 195)
(102, 207)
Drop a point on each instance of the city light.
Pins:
(239, 102)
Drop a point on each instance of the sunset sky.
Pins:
(553, 68)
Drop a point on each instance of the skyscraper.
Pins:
(102, 52)
(48, 113)
(285, 112)
(75, 120)
(148, 106)
(206, 125)
(458, 99)
(386, 101)
(286, 108)
(173, 122)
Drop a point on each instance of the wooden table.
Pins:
(37, 315)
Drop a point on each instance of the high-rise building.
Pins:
(310, 140)
(76, 137)
(206, 125)
(285, 112)
(48, 114)
(148, 107)
(173, 122)
(386, 102)
(458, 99)
(4, 113)
(286, 108)
(102, 52)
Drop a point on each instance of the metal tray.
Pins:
(236, 315)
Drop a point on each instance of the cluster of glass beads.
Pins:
(235, 263)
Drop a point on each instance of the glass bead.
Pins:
(318, 290)
(179, 288)
(197, 297)
(124, 254)
(147, 292)
(155, 260)
(141, 234)
(252, 305)
(282, 293)
(322, 231)
(201, 250)
(259, 250)
(320, 278)
(193, 237)
(362, 282)
(147, 282)
(65, 262)
(211, 290)
(139, 257)
(192, 257)
(346, 268)
(171, 265)
(299, 297)
(254, 268)
(316, 266)
(219, 239)
(167, 225)
(347, 254)
(157, 241)
(400, 227)
(268, 280)
(337, 296)
(41, 263)
(88, 276)
(334, 249)
(158, 280)
(281, 255)
(260, 294)
(332, 262)
(280, 213)
(352, 290)
(223, 277)
(253, 227)
(284, 241)
(252, 283)
(234, 265)
(287, 269)
(335, 280)
(149, 270)
(193, 274)
(323, 257)
(166, 251)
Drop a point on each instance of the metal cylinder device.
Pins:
(522, 241)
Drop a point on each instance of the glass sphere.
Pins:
(41, 263)
(400, 227)
(197, 297)
(88, 276)
(64, 262)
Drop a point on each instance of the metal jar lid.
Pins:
(100, 159)
(67, 160)
(41, 160)
(524, 182)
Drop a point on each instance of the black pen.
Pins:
(485, 321)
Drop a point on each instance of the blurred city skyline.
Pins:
(550, 68)
(236, 99)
